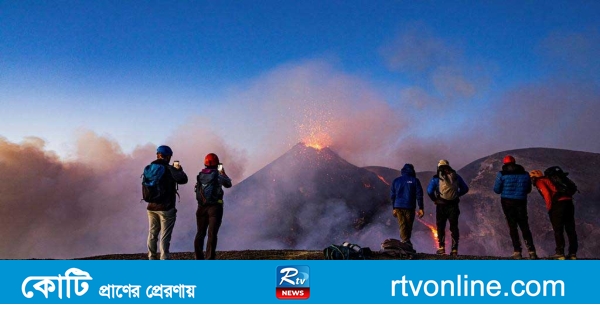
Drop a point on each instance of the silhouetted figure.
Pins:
(209, 193)
(159, 189)
(513, 184)
(406, 193)
(445, 189)
(561, 212)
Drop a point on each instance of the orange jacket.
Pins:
(547, 190)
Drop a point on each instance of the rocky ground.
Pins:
(291, 255)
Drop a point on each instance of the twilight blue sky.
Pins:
(403, 80)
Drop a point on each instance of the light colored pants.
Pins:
(160, 221)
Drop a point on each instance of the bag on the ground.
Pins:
(152, 190)
(208, 190)
(397, 248)
(346, 251)
(563, 184)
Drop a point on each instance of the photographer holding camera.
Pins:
(209, 194)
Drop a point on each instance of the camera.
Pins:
(220, 167)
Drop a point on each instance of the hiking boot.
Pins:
(533, 256)
(557, 257)
(517, 255)
(454, 252)
(572, 257)
(441, 251)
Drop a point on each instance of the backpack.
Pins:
(208, 188)
(346, 251)
(152, 188)
(448, 184)
(563, 184)
(396, 248)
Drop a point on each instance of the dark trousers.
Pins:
(562, 217)
(208, 217)
(450, 213)
(515, 212)
(406, 219)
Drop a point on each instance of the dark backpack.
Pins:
(152, 187)
(208, 188)
(396, 248)
(563, 184)
(346, 251)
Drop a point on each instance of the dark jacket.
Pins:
(434, 185)
(206, 176)
(169, 181)
(513, 182)
(406, 190)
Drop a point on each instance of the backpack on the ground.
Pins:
(346, 251)
(396, 248)
(152, 190)
(563, 184)
(208, 189)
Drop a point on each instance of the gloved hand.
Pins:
(420, 213)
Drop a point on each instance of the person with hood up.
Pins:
(445, 189)
(406, 192)
(513, 184)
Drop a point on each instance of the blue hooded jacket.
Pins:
(434, 186)
(406, 190)
(513, 182)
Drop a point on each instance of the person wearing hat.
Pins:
(406, 193)
(445, 189)
(513, 184)
(161, 211)
(209, 216)
(562, 215)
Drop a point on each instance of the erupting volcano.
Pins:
(308, 198)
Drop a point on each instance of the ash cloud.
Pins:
(90, 205)
(311, 101)
(440, 70)
(57, 209)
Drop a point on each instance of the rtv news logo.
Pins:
(292, 283)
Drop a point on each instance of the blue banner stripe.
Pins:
(331, 282)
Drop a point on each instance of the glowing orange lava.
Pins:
(314, 128)
(433, 230)
(383, 180)
(314, 145)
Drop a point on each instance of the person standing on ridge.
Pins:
(209, 194)
(406, 193)
(445, 189)
(561, 209)
(514, 184)
(159, 189)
